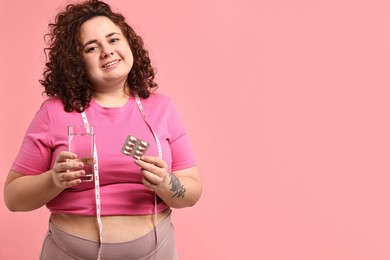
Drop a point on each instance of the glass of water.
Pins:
(81, 141)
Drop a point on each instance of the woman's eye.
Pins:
(91, 49)
(114, 40)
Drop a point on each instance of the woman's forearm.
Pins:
(26, 193)
(180, 191)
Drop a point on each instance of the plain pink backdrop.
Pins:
(286, 102)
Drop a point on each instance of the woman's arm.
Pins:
(25, 192)
(178, 189)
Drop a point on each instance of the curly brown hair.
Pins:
(65, 75)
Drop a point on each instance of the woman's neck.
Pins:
(111, 99)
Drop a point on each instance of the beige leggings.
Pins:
(60, 245)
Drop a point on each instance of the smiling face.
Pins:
(106, 53)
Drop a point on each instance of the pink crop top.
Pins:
(121, 188)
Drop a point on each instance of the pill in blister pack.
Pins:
(134, 147)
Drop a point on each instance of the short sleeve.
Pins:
(34, 156)
(181, 149)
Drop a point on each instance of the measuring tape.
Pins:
(97, 183)
(97, 187)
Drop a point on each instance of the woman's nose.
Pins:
(106, 51)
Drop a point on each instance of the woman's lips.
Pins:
(108, 64)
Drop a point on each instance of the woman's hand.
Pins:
(28, 192)
(155, 172)
(178, 189)
(67, 171)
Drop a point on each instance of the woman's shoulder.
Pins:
(52, 106)
(159, 98)
(53, 103)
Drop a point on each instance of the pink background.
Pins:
(286, 103)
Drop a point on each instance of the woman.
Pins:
(98, 73)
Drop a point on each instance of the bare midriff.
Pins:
(116, 229)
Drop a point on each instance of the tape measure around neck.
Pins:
(141, 110)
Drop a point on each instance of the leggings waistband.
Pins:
(59, 244)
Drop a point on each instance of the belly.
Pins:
(116, 229)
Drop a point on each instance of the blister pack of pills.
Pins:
(134, 147)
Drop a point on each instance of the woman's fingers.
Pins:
(65, 156)
(154, 171)
(67, 171)
(158, 162)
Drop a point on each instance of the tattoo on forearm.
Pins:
(177, 187)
